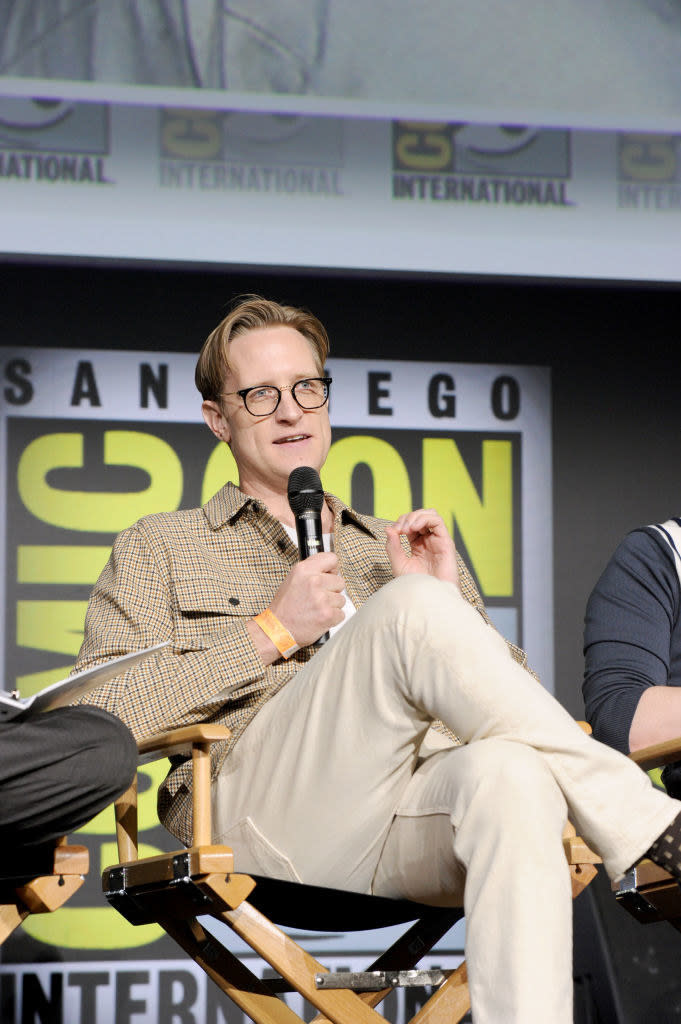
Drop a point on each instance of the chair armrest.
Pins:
(658, 754)
(179, 741)
(191, 739)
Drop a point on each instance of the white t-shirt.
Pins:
(327, 539)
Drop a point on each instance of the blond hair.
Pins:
(252, 313)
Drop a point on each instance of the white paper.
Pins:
(68, 690)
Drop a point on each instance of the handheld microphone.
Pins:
(306, 498)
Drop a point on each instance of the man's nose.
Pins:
(288, 408)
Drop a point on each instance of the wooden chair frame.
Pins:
(176, 889)
(21, 896)
(647, 891)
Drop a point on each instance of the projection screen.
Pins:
(484, 138)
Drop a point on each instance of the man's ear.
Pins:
(215, 420)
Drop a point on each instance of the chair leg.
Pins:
(10, 918)
(451, 1002)
(405, 954)
(40, 896)
(297, 967)
(242, 986)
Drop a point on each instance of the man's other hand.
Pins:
(432, 548)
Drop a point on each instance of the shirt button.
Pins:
(234, 600)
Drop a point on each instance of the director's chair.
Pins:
(176, 889)
(25, 891)
(647, 891)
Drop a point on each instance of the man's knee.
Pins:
(108, 747)
(510, 776)
(411, 587)
(121, 754)
(413, 598)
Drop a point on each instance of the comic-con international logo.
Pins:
(483, 164)
(213, 151)
(648, 171)
(53, 141)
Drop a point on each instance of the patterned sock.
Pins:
(666, 850)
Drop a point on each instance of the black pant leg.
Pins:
(57, 770)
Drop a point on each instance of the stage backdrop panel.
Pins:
(159, 182)
(92, 440)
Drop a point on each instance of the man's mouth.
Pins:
(292, 438)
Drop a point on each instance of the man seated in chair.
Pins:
(324, 778)
(632, 645)
(57, 770)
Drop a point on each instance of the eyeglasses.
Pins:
(262, 400)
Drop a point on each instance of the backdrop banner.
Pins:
(91, 441)
(163, 182)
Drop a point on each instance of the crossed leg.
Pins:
(322, 782)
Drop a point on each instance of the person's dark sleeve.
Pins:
(630, 618)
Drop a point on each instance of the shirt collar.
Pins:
(347, 514)
(225, 506)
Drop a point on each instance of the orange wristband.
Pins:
(277, 633)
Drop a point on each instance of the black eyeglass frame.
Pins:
(326, 381)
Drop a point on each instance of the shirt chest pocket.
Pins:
(204, 605)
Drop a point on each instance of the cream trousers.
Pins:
(327, 786)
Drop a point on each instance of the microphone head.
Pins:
(305, 492)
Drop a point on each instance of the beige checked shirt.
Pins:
(195, 578)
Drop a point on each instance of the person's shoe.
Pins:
(666, 850)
